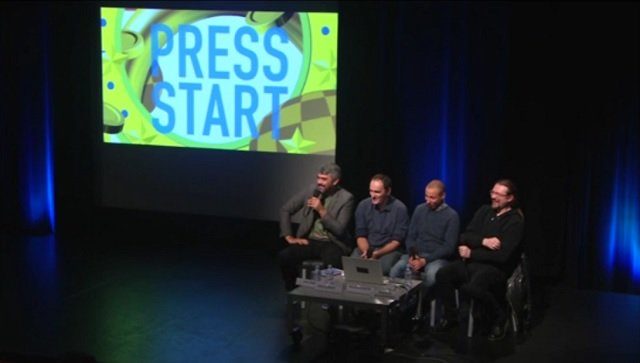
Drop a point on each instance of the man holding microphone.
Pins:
(323, 233)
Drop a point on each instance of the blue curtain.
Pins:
(452, 84)
(28, 177)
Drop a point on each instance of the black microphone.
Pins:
(370, 252)
(413, 252)
(466, 266)
(316, 194)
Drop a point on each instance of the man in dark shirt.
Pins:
(433, 236)
(489, 252)
(381, 224)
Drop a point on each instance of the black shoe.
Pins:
(445, 325)
(420, 324)
(499, 330)
(296, 335)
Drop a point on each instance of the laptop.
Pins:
(359, 270)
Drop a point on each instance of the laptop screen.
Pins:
(360, 270)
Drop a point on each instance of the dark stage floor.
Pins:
(144, 302)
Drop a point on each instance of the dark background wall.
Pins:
(543, 93)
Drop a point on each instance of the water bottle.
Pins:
(315, 274)
(328, 273)
(408, 273)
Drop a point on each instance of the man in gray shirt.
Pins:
(323, 233)
(381, 224)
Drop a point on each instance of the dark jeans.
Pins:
(477, 280)
(291, 258)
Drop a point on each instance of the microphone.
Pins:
(370, 252)
(466, 267)
(413, 253)
(316, 194)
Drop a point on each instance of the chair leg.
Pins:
(470, 326)
(514, 320)
(432, 317)
(303, 275)
(419, 307)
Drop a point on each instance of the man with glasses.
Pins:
(489, 252)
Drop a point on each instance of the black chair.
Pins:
(518, 297)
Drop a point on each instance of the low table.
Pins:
(382, 298)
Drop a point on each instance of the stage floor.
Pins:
(202, 302)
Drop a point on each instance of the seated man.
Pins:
(323, 232)
(489, 252)
(432, 238)
(381, 224)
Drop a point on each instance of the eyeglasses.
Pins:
(492, 193)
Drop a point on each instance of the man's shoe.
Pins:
(445, 325)
(499, 330)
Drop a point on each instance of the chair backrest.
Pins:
(519, 291)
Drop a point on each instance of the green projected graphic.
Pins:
(233, 80)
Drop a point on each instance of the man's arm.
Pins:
(400, 227)
(388, 247)
(472, 235)
(362, 228)
(412, 235)
(447, 250)
(399, 232)
(337, 224)
(509, 237)
(363, 246)
(292, 206)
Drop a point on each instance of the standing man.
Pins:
(323, 232)
(433, 235)
(381, 224)
(489, 252)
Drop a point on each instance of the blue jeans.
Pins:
(387, 260)
(428, 276)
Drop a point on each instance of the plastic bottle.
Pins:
(328, 273)
(315, 274)
(408, 273)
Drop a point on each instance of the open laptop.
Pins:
(359, 270)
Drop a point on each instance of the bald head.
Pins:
(434, 193)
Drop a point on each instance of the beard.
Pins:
(496, 206)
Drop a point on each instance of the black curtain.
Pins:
(543, 93)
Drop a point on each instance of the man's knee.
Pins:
(399, 267)
(332, 255)
(444, 274)
(388, 261)
(283, 255)
(287, 256)
(430, 276)
(431, 271)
